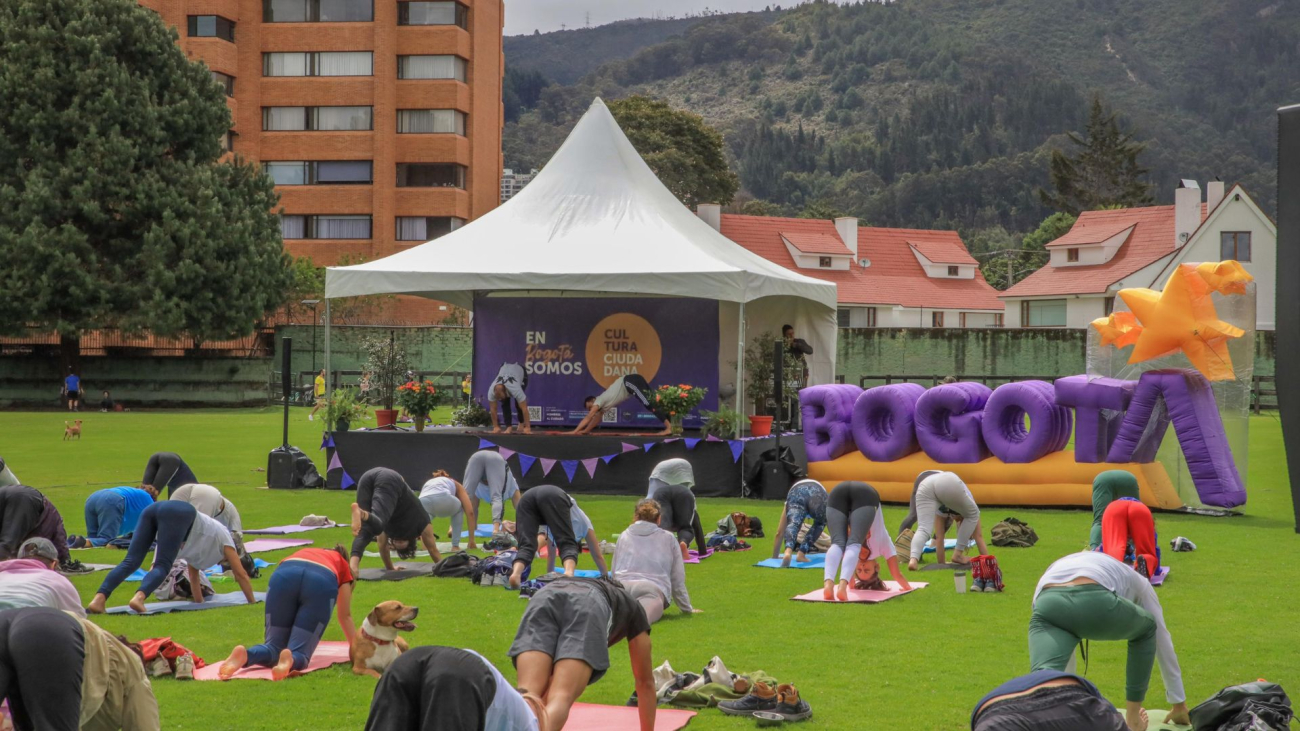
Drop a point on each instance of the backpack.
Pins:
(305, 469)
(986, 568)
(1231, 707)
(1014, 533)
(456, 565)
(177, 584)
(502, 563)
(866, 575)
(903, 543)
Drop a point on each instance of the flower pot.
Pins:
(342, 425)
(385, 417)
(760, 426)
(675, 425)
(420, 420)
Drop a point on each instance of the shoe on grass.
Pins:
(790, 705)
(159, 667)
(761, 698)
(185, 667)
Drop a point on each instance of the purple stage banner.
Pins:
(573, 348)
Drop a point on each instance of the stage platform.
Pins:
(623, 462)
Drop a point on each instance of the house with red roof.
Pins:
(1106, 251)
(886, 277)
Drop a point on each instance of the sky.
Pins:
(524, 16)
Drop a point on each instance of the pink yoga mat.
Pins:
(281, 530)
(695, 555)
(327, 654)
(274, 544)
(591, 717)
(863, 597)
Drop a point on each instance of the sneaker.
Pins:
(790, 705)
(73, 566)
(1140, 565)
(310, 417)
(761, 698)
(159, 667)
(977, 585)
(185, 667)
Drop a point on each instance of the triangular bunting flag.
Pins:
(673, 439)
(609, 457)
(326, 440)
(629, 447)
(547, 465)
(690, 443)
(570, 467)
(737, 447)
(647, 446)
(347, 480)
(335, 463)
(485, 444)
(590, 464)
(505, 453)
(711, 438)
(525, 463)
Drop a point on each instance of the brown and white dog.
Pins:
(72, 429)
(377, 642)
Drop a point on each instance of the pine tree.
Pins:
(1104, 172)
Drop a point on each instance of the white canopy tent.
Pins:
(597, 220)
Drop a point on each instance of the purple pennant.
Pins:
(347, 480)
(690, 443)
(737, 447)
(671, 440)
(505, 453)
(609, 457)
(525, 463)
(547, 465)
(629, 447)
(647, 446)
(570, 467)
(327, 440)
(335, 463)
(711, 438)
(590, 464)
(485, 444)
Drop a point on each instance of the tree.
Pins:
(1104, 172)
(680, 148)
(1004, 264)
(114, 211)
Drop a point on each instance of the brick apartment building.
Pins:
(379, 120)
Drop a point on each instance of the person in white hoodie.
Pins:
(649, 565)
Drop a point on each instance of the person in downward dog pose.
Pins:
(807, 499)
(209, 501)
(854, 519)
(166, 471)
(443, 497)
(935, 494)
(649, 565)
(488, 477)
(434, 688)
(114, 512)
(582, 530)
(388, 511)
(1129, 535)
(671, 483)
(1046, 700)
(622, 389)
(545, 507)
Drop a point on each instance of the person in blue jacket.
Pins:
(114, 512)
(72, 389)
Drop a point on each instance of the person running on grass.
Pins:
(856, 524)
(433, 688)
(649, 565)
(388, 511)
(304, 591)
(807, 499)
(318, 394)
(622, 389)
(443, 497)
(935, 496)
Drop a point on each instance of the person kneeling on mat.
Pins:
(550, 507)
(806, 499)
(649, 565)
(670, 486)
(114, 512)
(563, 642)
(435, 688)
(853, 514)
(1129, 535)
(1046, 700)
(443, 497)
(1092, 596)
(301, 597)
(182, 532)
(934, 494)
(582, 531)
(166, 471)
(388, 512)
(25, 513)
(489, 477)
(32, 580)
(622, 389)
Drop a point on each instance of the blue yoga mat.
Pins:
(233, 599)
(587, 573)
(139, 574)
(948, 545)
(484, 530)
(816, 561)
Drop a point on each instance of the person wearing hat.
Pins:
(32, 581)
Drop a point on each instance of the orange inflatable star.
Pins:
(1182, 318)
(1225, 277)
(1120, 329)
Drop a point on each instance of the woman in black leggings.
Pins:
(446, 689)
(544, 505)
(678, 516)
(853, 521)
(388, 511)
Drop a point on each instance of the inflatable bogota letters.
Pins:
(1183, 356)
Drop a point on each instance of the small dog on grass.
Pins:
(71, 430)
(378, 643)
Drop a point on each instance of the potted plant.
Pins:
(678, 401)
(418, 398)
(722, 423)
(342, 408)
(386, 362)
(758, 381)
(471, 414)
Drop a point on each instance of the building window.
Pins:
(1234, 245)
(936, 319)
(997, 319)
(323, 172)
(431, 67)
(228, 141)
(1109, 304)
(432, 13)
(324, 227)
(426, 228)
(952, 271)
(961, 319)
(318, 11)
(430, 121)
(325, 119)
(430, 175)
(1072, 254)
(211, 26)
(225, 81)
(871, 317)
(842, 317)
(824, 262)
(325, 63)
(1042, 313)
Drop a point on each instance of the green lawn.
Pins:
(918, 662)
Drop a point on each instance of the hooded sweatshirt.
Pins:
(646, 552)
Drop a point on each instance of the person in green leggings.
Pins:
(1092, 596)
(1108, 487)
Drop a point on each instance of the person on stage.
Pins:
(622, 389)
(509, 386)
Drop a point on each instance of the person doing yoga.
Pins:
(622, 389)
(166, 471)
(63, 673)
(489, 477)
(1092, 596)
(387, 511)
(114, 512)
(1129, 534)
(509, 386)
(7, 476)
(649, 565)
(33, 580)
(435, 688)
(26, 513)
(1046, 700)
(545, 506)
(304, 591)
(443, 497)
(1108, 487)
(182, 533)
(670, 486)
(807, 499)
(582, 531)
(209, 501)
(935, 496)
(855, 521)
(563, 642)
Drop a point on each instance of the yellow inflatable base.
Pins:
(1055, 480)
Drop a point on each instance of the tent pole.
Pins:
(740, 364)
(330, 373)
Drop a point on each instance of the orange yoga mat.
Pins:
(327, 654)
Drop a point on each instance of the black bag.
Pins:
(455, 566)
(305, 470)
(1226, 706)
(1261, 716)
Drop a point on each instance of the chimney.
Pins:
(1214, 193)
(1187, 211)
(710, 213)
(847, 228)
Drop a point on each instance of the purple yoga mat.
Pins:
(274, 544)
(1159, 578)
(283, 530)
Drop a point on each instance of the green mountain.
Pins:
(941, 113)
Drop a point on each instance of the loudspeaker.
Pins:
(280, 471)
(778, 382)
(1288, 291)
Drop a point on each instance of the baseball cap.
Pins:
(38, 548)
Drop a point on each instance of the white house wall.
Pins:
(1238, 216)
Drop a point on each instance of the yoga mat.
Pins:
(139, 574)
(274, 544)
(695, 555)
(1157, 721)
(591, 717)
(863, 597)
(815, 561)
(587, 573)
(411, 571)
(484, 530)
(216, 601)
(948, 545)
(945, 566)
(284, 530)
(1160, 576)
(327, 654)
(90, 568)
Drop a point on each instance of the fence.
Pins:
(114, 343)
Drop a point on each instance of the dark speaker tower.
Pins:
(280, 470)
(1288, 291)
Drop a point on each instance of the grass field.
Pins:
(918, 662)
